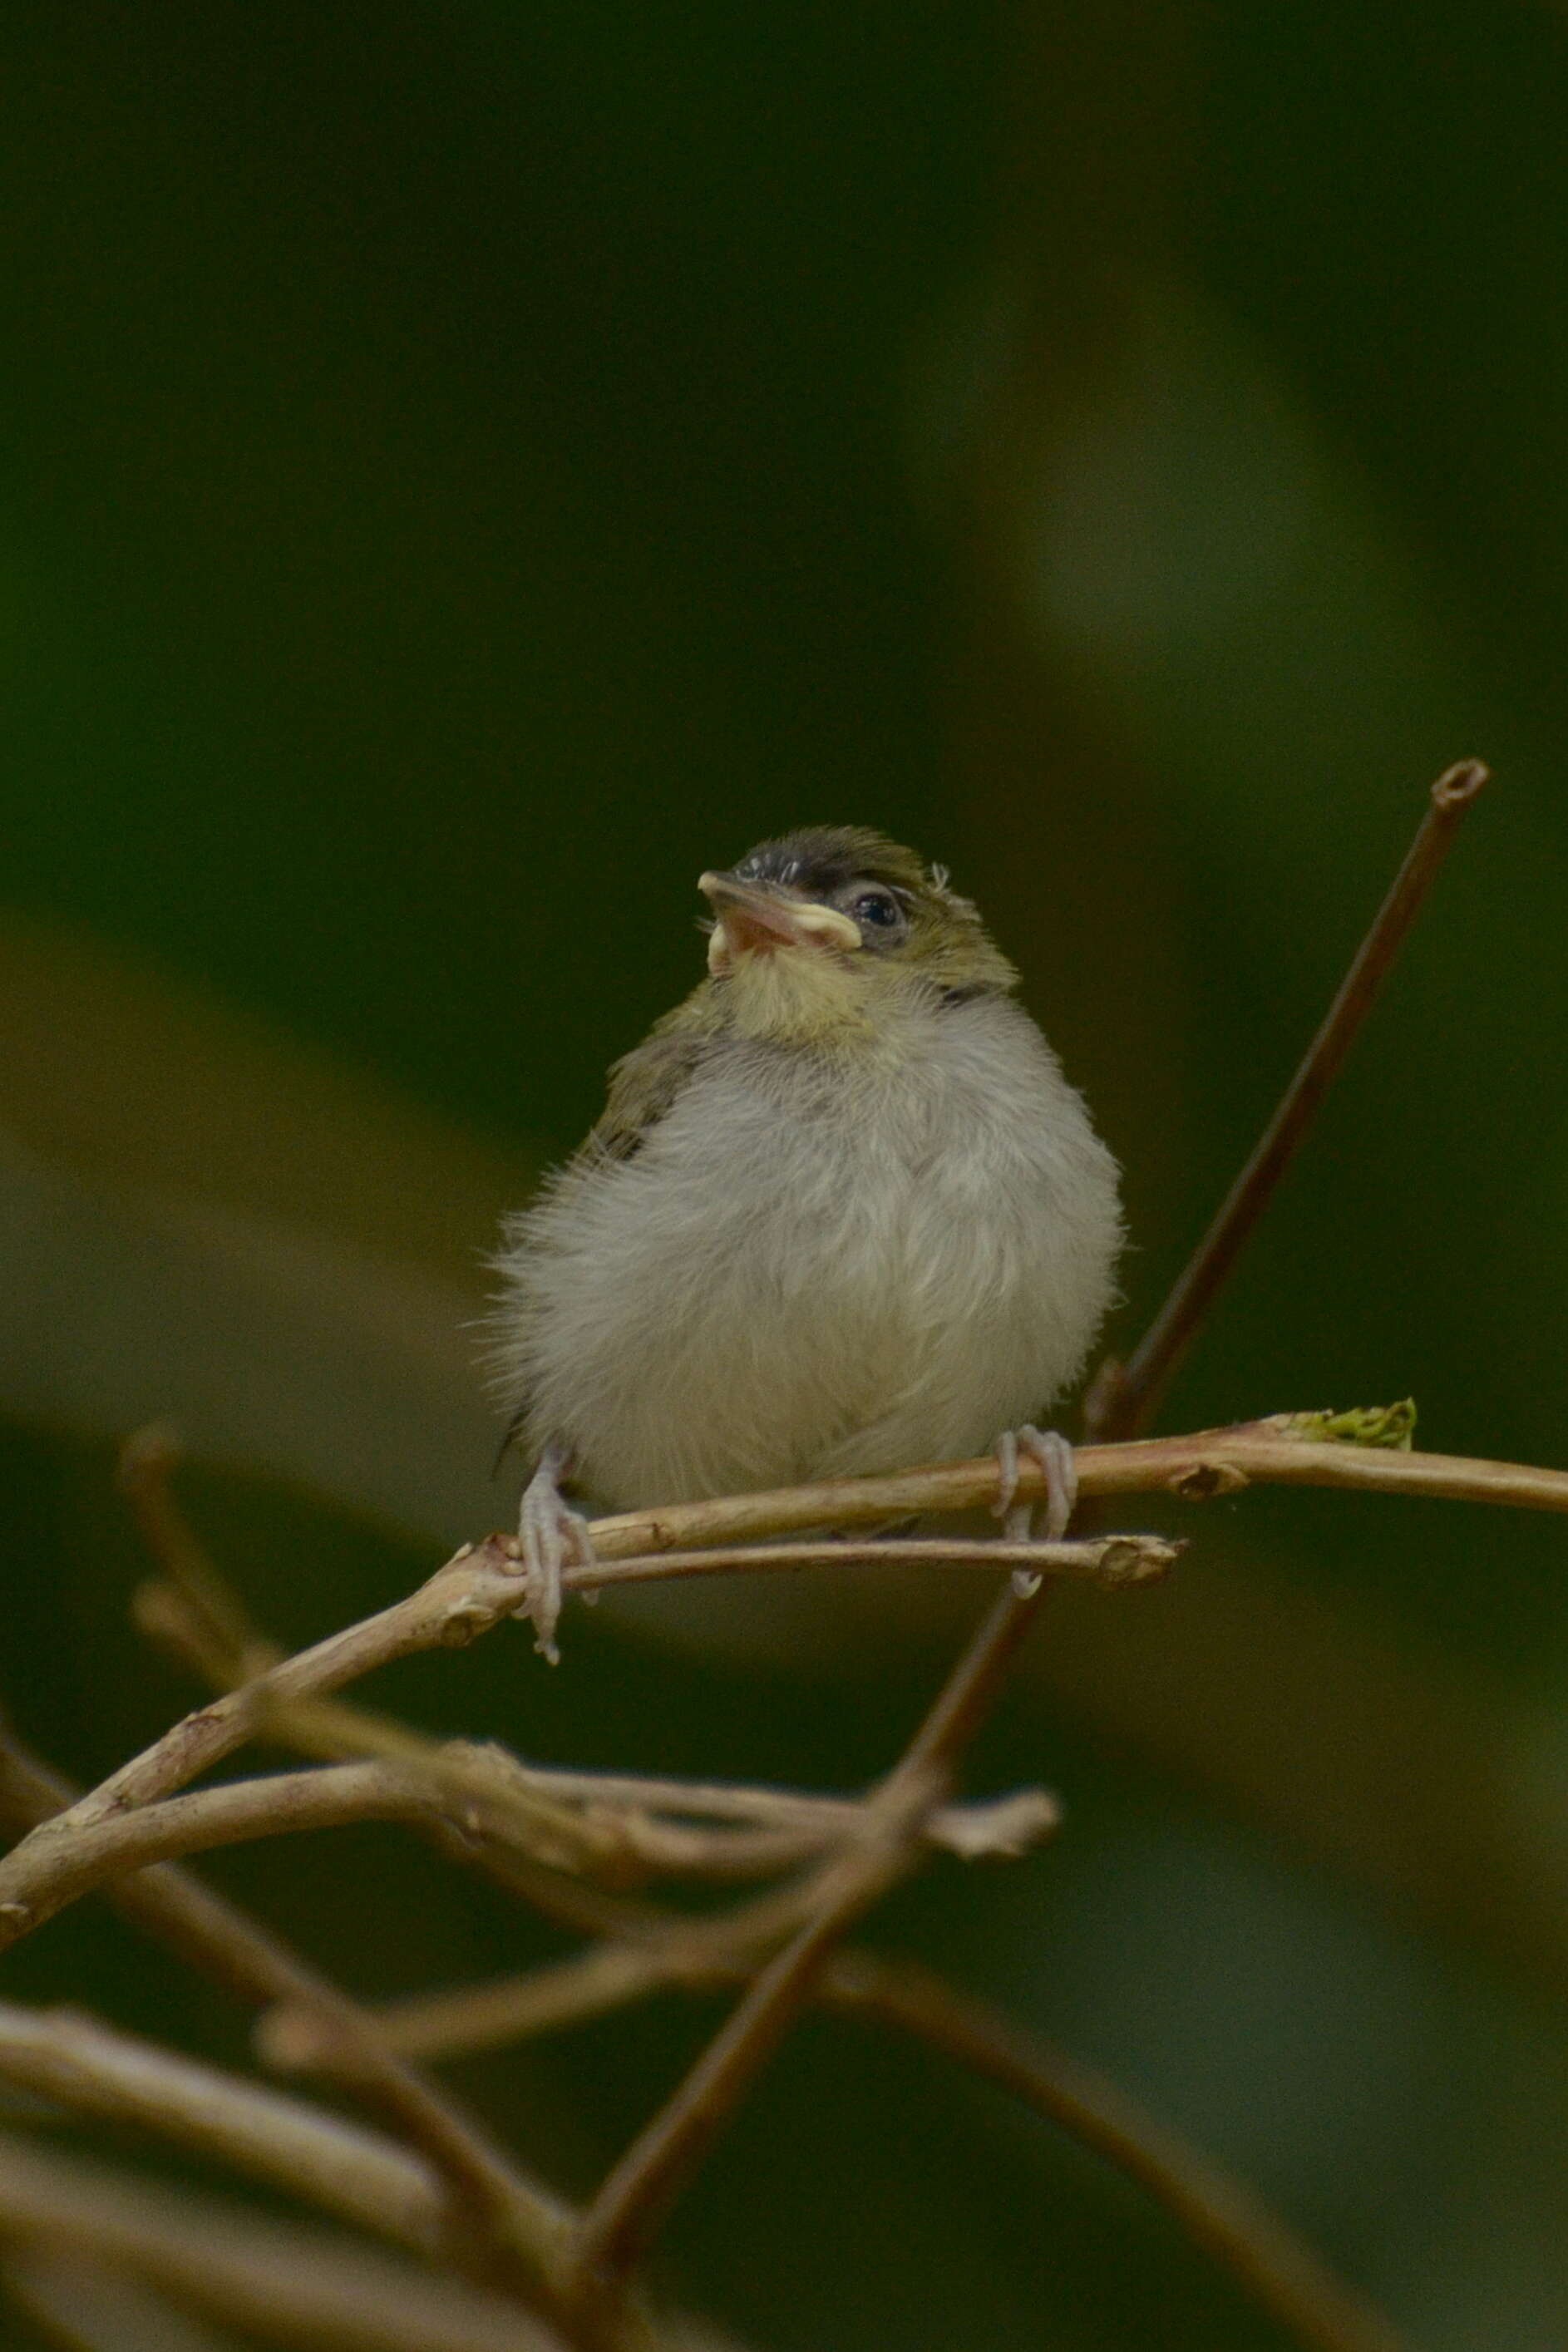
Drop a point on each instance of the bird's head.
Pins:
(821, 930)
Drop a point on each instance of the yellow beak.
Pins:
(757, 921)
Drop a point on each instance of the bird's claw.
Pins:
(554, 1536)
(1058, 1465)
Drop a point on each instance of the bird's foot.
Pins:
(1059, 1463)
(554, 1536)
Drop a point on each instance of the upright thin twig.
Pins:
(464, 2199)
(620, 2225)
(1125, 1397)
(623, 2218)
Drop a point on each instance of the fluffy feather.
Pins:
(843, 1214)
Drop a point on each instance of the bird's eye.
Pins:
(878, 907)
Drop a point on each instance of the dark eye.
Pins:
(878, 907)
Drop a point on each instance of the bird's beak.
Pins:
(761, 922)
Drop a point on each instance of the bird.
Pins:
(842, 1213)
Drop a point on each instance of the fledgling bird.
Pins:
(842, 1213)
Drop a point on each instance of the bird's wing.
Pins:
(643, 1086)
(645, 1083)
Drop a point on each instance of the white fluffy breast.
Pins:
(810, 1267)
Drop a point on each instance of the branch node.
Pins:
(463, 1623)
(1137, 1560)
(1122, 1403)
(1202, 1479)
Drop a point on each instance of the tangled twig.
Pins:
(537, 2273)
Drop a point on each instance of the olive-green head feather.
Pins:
(839, 916)
(820, 940)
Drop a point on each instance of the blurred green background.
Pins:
(467, 468)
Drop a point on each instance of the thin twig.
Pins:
(478, 1801)
(979, 1826)
(643, 1948)
(1193, 1467)
(558, 1993)
(596, 1823)
(479, 1587)
(488, 1805)
(148, 1460)
(663, 1946)
(477, 1804)
(304, 2286)
(237, 1812)
(623, 2218)
(358, 2175)
(492, 2201)
(620, 2224)
(1218, 2211)
(624, 1841)
(1110, 1561)
(624, 2215)
(87, 2306)
(337, 1796)
(625, 1812)
(1125, 1397)
(476, 1590)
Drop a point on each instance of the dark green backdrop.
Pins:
(467, 468)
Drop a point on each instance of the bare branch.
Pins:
(294, 2285)
(643, 1952)
(645, 1947)
(478, 1587)
(621, 2223)
(471, 1795)
(234, 1813)
(1111, 1560)
(337, 1796)
(491, 1800)
(791, 1828)
(981, 1826)
(493, 2202)
(1125, 1397)
(485, 2016)
(92, 2307)
(1220, 2212)
(472, 1593)
(233, 1650)
(360, 2176)
(609, 1825)
(623, 2218)
(1206, 1462)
